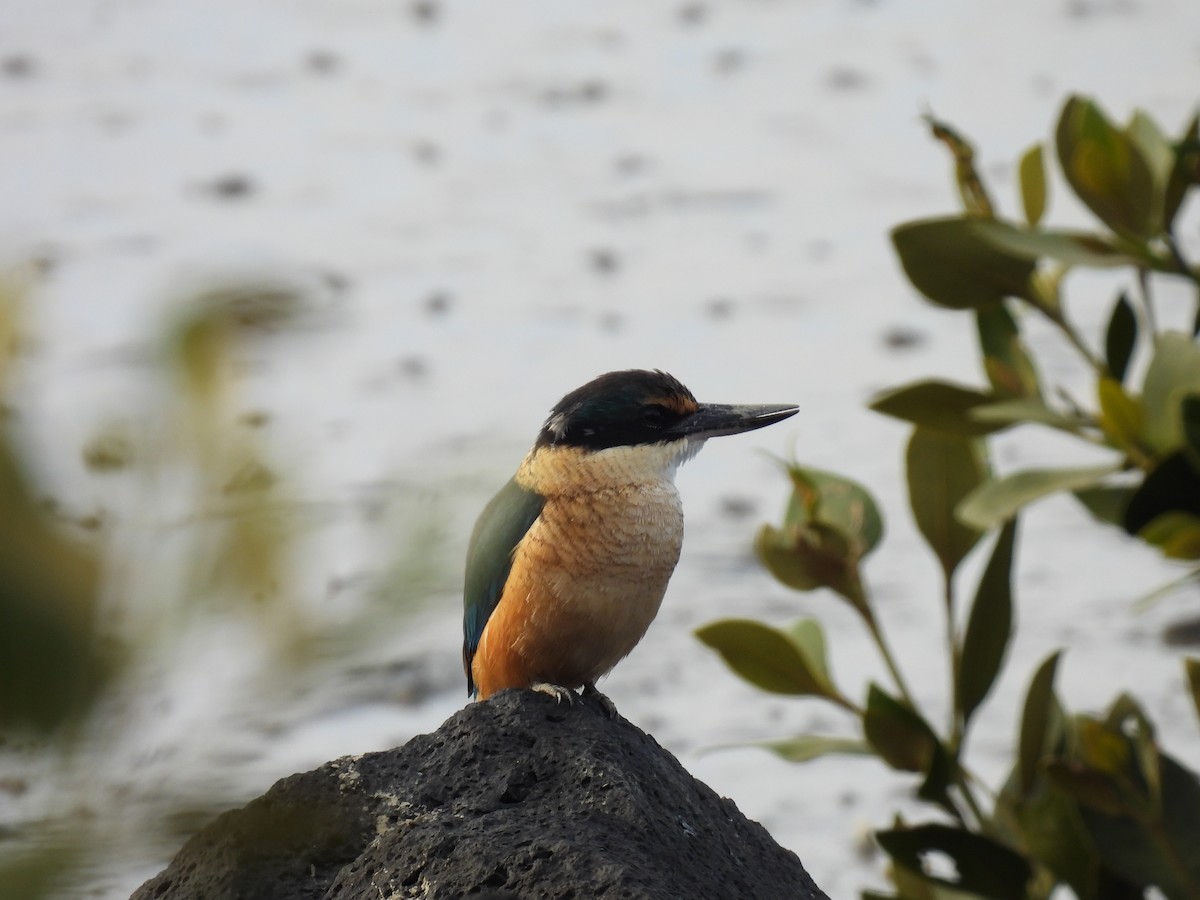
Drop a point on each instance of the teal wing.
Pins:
(501, 526)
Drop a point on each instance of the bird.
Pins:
(568, 564)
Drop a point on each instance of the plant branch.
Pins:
(1148, 305)
(889, 660)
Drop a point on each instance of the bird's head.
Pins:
(636, 407)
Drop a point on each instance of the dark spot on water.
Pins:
(692, 14)
(425, 12)
(413, 368)
(233, 186)
(630, 164)
(729, 60)
(427, 153)
(611, 322)
(438, 303)
(255, 418)
(719, 307)
(335, 281)
(585, 93)
(903, 337)
(323, 62)
(735, 507)
(844, 78)
(604, 261)
(18, 65)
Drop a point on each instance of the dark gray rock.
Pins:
(515, 798)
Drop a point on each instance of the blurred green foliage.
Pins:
(207, 530)
(1092, 803)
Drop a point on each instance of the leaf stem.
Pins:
(1148, 305)
(955, 655)
(889, 660)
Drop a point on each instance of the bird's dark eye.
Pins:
(655, 416)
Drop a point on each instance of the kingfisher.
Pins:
(568, 563)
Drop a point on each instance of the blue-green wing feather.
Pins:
(501, 526)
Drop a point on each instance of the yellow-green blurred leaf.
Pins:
(1106, 170)
(811, 556)
(1107, 503)
(942, 469)
(837, 502)
(1159, 155)
(938, 405)
(953, 263)
(1173, 373)
(1041, 722)
(1089, 787)
(806, 747)
(1072, 248)
(897, 733)
(971, 189)
(51, 665)
(994, 501)
(1176, 534)
(1033, 184)
(1191, 667)
(1121, 415)
(1022, 412)
(989, 626)
(1185, 171)
(1005, 360)
(766, 657)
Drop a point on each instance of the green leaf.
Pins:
(970, 186)
(1191, 668)
(1185, 172)
(1121, 416)
(1040, 722)
(1022, 412)
(838, 502)
(1175, 534)
(1005, 360)
(1071, 248)
(954, 265)
(1173, 486)
(942, 469)
(1160, 851)
(1189, 413)
(807, 557)
(985, 867)
(1173, 373)
(1091, 788)
(1159, 155)
(768, 658)
(1120, 338)
(897, 733)
(1033, 184)
(1106, 170)
(1053, 833)
(939, 405)
(1107, 503)
(989, 626)
(994, 501)
(806, 747)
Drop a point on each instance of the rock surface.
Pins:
(516, 798)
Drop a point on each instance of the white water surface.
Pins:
(494, 203)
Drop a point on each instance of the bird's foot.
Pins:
(610, 708)
(557, 691)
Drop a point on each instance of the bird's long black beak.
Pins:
(715, 419)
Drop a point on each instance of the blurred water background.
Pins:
(295, 283)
